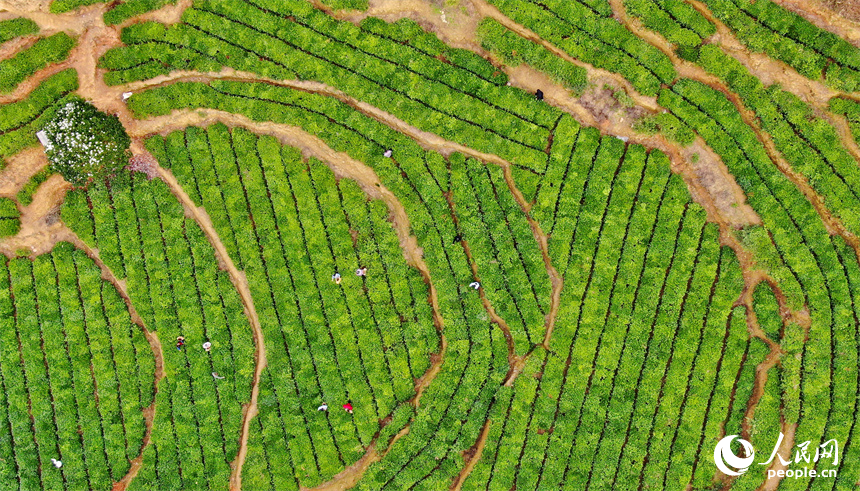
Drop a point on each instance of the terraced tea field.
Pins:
(426, 245)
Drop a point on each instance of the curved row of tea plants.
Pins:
(26, 62)
(815, 53)
(327, 342)
(389, 66)
(176, 286)
(76, 375)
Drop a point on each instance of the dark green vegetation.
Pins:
(766, 27)
(58, 6)
(586, 30)
(617, 333)
(85, 144)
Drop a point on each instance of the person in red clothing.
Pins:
(348, 407)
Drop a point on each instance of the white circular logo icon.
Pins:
(723, 455)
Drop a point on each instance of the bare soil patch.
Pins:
(41, 228)
(20, 168)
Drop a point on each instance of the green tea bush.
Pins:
(13, 28)
(9, 223)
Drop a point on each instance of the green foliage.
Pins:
(654, 17)
(25, 195)
(86, 144)
(648, 356)
(132, 8)
(849, 109)
(19, 121)
(451, 92)
(346, 4)
(767, 27)
(767, 311)
(669, 125)
(589, 33)
(19, 26)
(515, 50)
(9, 223)
(70, 338)
(47, 50)
(374, 337)
(177, 288)
(59, 6)
(790, 364)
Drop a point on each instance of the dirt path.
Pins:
(460, 32)
(484, 9)
(427, 140)
(488, 306)
(849, 9)
(94, 40)
(358, 171)
(769, 71)
(761, 371)
(729, 197)
(350, 476)
(25, 5)
(471, 457)
(752, 276)
(709, 180)
(294, 137)
(455, 22)
(555, 278)
(11, 48)
(41, 228)
(74, 23)
(788, 429)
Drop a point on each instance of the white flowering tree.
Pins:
(85, 144)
